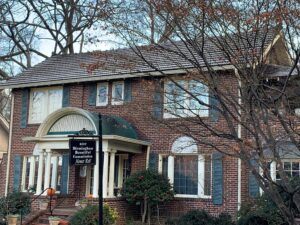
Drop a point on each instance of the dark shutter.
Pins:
(17, 172)
(253, 184)
(127, 91)
(214, 103)
(153, 161)
(64, 174)
(158, 101)
(24, 109)
(92, 94)
(217, 193)
(66, 96)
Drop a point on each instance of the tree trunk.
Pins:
(149, 214)
(144, 207)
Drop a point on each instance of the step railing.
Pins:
(64, 198)
(34, 199)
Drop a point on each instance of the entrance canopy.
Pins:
(70, 120)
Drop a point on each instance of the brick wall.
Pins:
(138, 112)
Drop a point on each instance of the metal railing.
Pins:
(33, 200)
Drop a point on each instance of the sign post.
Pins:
(83, 152)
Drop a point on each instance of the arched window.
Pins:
(189, 171)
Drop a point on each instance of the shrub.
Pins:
(15, 203)
(90, 216)
(261, 212)
(147, 189)
(196, 217)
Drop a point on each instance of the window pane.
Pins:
(186, 175)
(165, 167)
(118, 92)
(38, 106)
(207, 175)
(102, 93)
(295, 166)
(287, 166)
(199, 97)
(55, 100)
(175, 98)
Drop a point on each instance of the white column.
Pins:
(105, 172)
(40, 174)
(111, 173)
(31, 172)
(47, 170)
(24, 168)
(273, 171)
(201, 176)
(96, 176)
(171, 169)
(120, 173)
(54, 171)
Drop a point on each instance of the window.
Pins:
(44, 101)
(186, 175)
(117, 93)
(190, 172)
(186, 98)
(291, 168)
(102, 94)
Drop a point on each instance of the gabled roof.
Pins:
(123, 63)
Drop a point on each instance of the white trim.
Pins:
(201, 175)
(53, 117)
(171, 169)
(9, 143)
(113, 100)
(147, 156)
(23, 176)
(98, 96)
(273, 170)
(160, 163)
(239, 161)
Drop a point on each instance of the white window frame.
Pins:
(201, 175)
(45, 108)
(98, 97)
(186, 112)
(273, 167)
(114, 101)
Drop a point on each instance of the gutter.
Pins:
(9, 143)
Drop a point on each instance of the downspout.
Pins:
(239, 136)
(9, 143)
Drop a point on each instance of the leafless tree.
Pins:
(254, 99)
(25, 24)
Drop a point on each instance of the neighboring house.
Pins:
(4, 133)
(59, 97)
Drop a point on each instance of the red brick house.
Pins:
(60, 97)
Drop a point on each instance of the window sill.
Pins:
(193, 196)
(117, 103)
(170, 116)
(102, 105)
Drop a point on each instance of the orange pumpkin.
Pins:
(51, 192)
